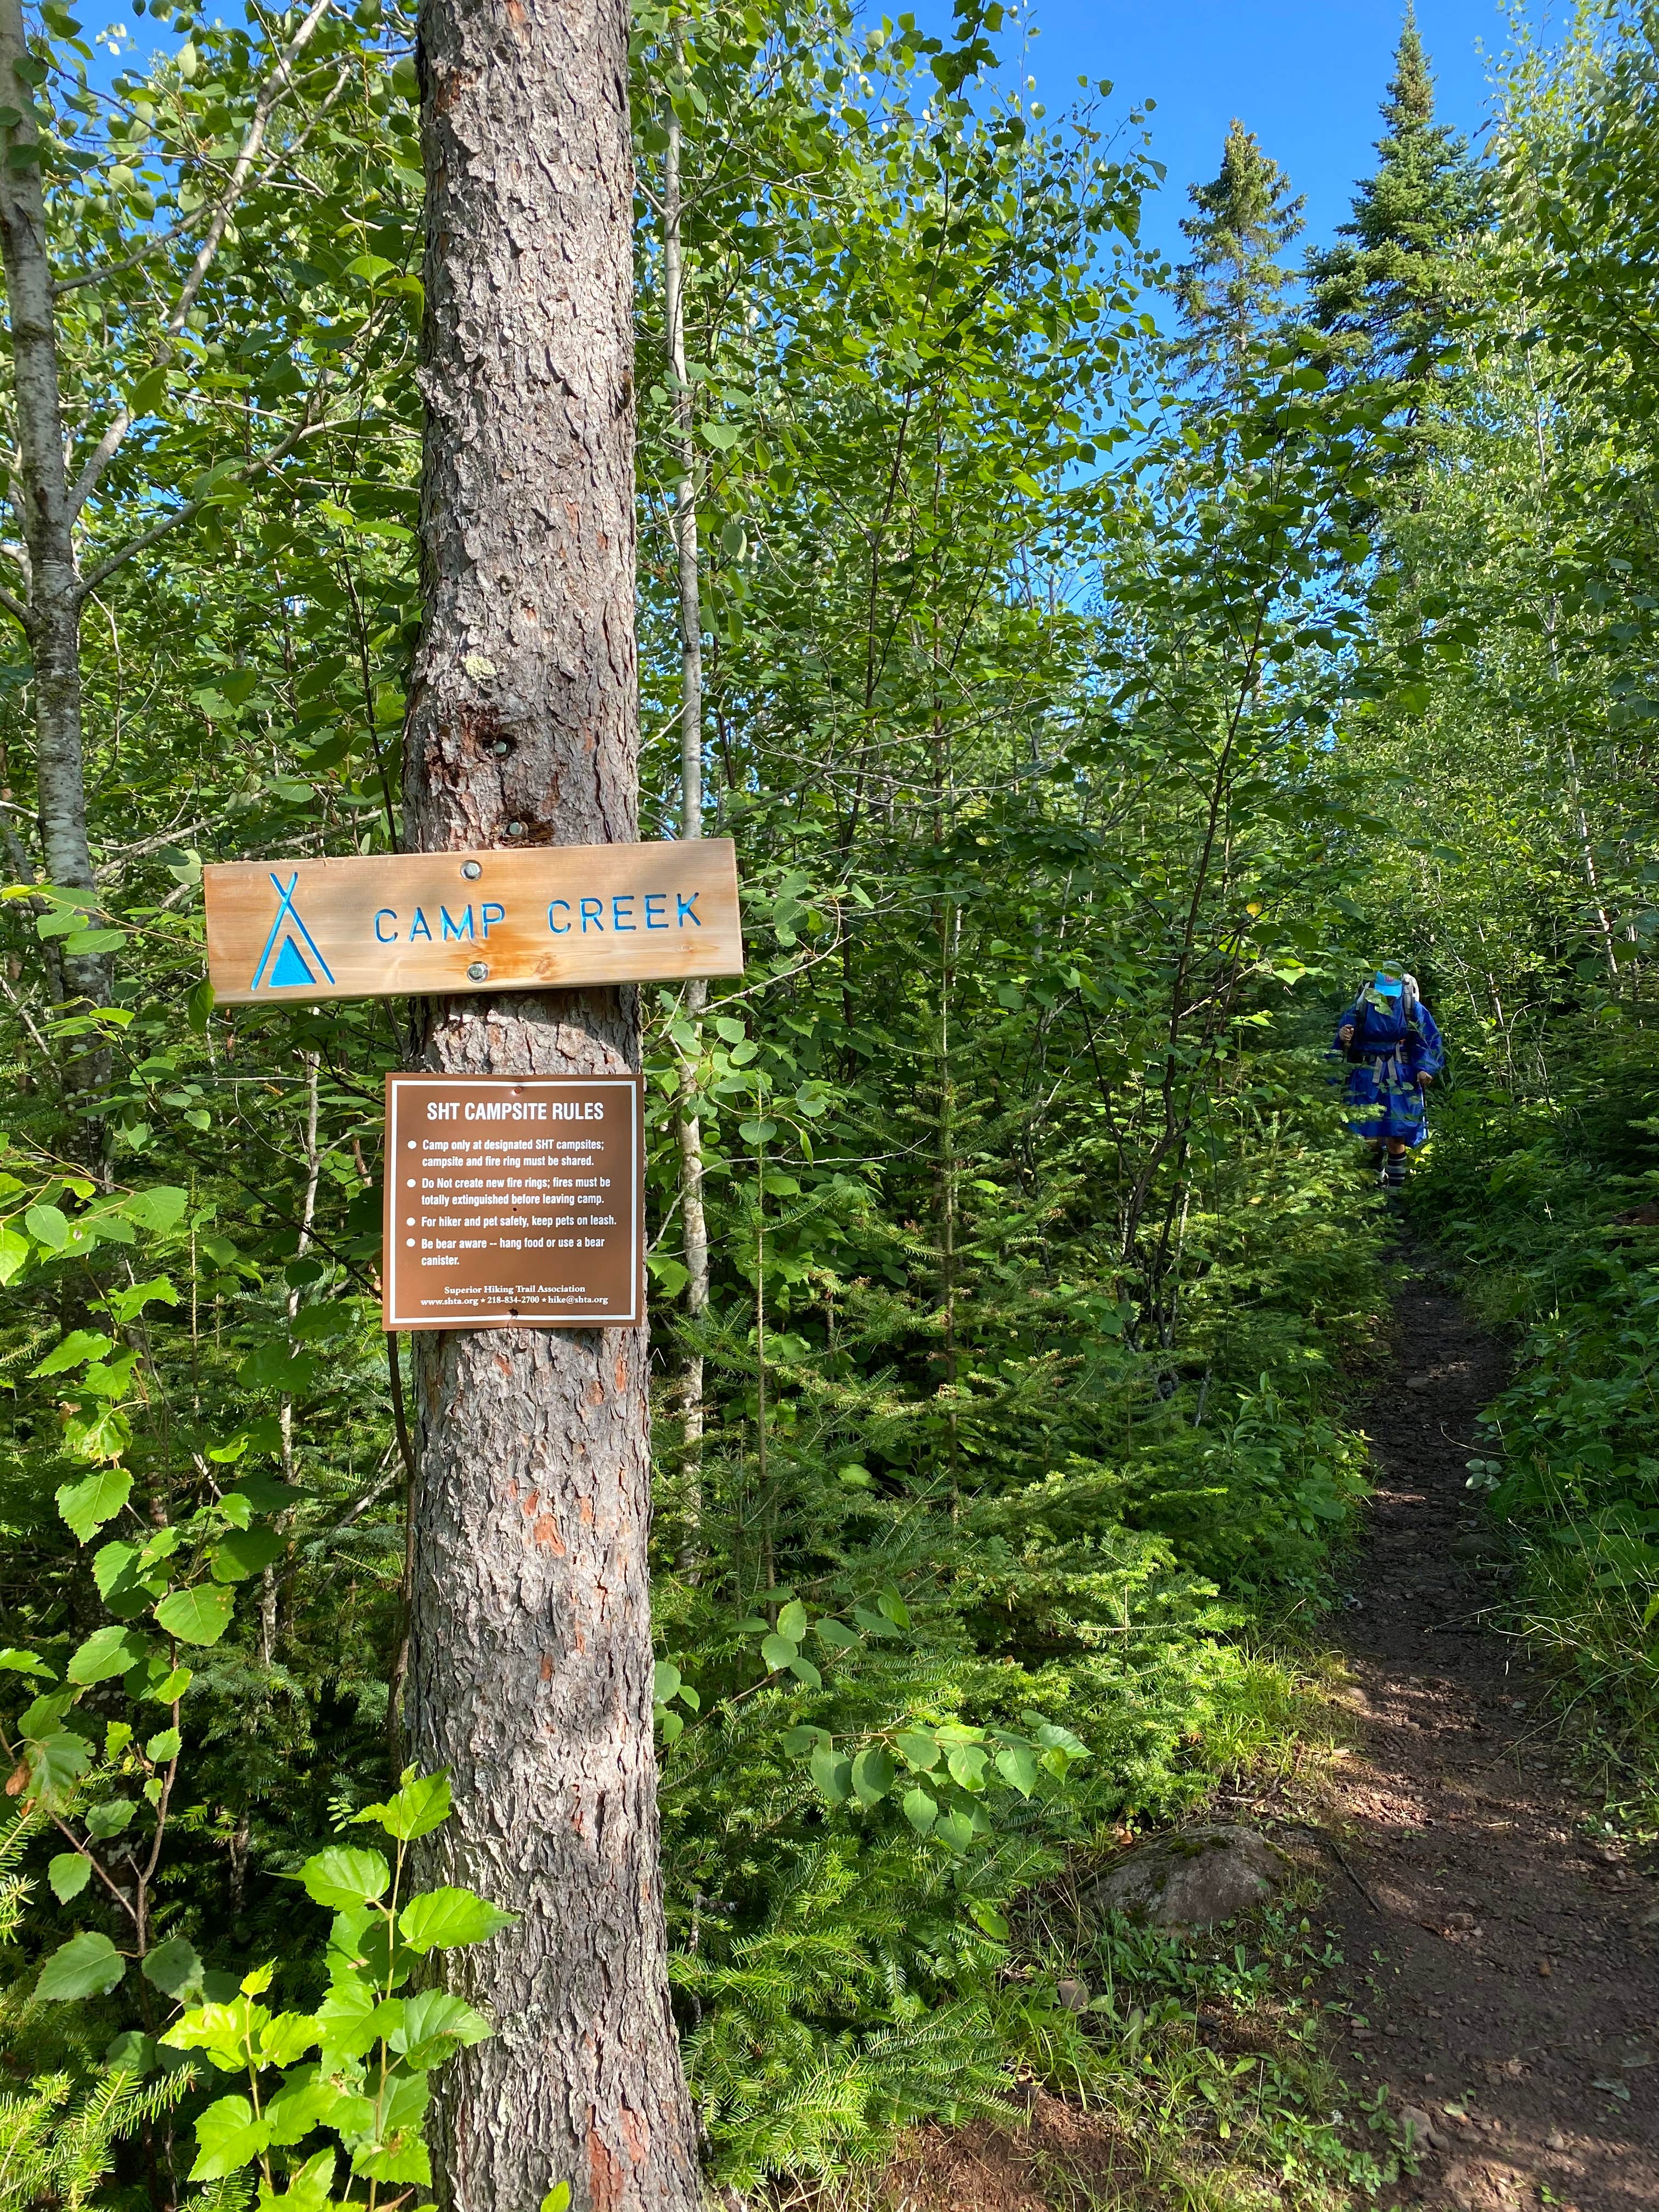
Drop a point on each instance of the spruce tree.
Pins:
(1386, 292)
(1232, 288)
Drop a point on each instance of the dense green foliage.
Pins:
(1087, 699)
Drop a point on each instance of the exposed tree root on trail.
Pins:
(1505, 1976)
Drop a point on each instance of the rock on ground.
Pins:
(1192, 1876)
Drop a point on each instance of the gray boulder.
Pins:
(1192, 1877)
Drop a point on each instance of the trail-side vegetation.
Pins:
(1095, 664)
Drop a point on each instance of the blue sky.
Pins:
(1306, 75)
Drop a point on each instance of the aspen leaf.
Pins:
(921, 1809)
(87, 1965)
(872, 1774)
(832, 1772)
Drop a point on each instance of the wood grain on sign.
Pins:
(427, 924)
(514, 1201)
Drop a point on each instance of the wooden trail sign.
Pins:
(427, 924)
(514, 1201)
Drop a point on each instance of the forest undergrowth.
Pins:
(1099, 666)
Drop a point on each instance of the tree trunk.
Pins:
(530, 1661)
(51, 591)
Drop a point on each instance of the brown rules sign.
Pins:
(514, 1201)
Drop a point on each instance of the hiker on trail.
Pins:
(1394, 1052)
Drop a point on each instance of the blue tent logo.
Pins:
(289, 970)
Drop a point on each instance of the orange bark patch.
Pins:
(594, 1393)
(604, 2174)
(622, 1374)
(546, 1533)
(547, 1665)
(634, 2136)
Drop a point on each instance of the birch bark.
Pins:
(49, 610)
(531, 1661)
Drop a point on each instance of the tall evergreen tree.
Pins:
(1233, 285)
(1386, 291)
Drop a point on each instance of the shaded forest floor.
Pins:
(1501, 1982)
(1503, 1971)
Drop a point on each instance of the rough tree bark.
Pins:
(530, 1662)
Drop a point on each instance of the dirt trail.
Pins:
(1507, 1969)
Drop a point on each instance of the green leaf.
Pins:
(441, 1918)
(115, 1570)
(86, 1506)
(833, 1773)
(346, 1875)
(73, 1350)
(96, 941)
(48, 1225)
(200, 1615)
(228, 2138)
(791, 1621)
(110, 1818)
(14, 1662)
(246, 1552)
(919, 1751)
(435, 2025)
(286, 2038)
(893, 1606)
(162, 1748)
(173, 1966)
(87, 1965)
(69, 1875)
(779, 1652)
(14, 1251)
(308, 2100)
(921, 1810)
(106, 1653)
(557, 2198)
(836, 1634)
(664, 1681)
(968, 1762)
(57, 1762)
(159, 1208)
(309, 2189)
(1017, 1762)
(872, 1774)
(420, 1806)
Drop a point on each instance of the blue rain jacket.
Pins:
(1382, 1086)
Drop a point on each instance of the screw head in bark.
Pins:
(515, 829)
